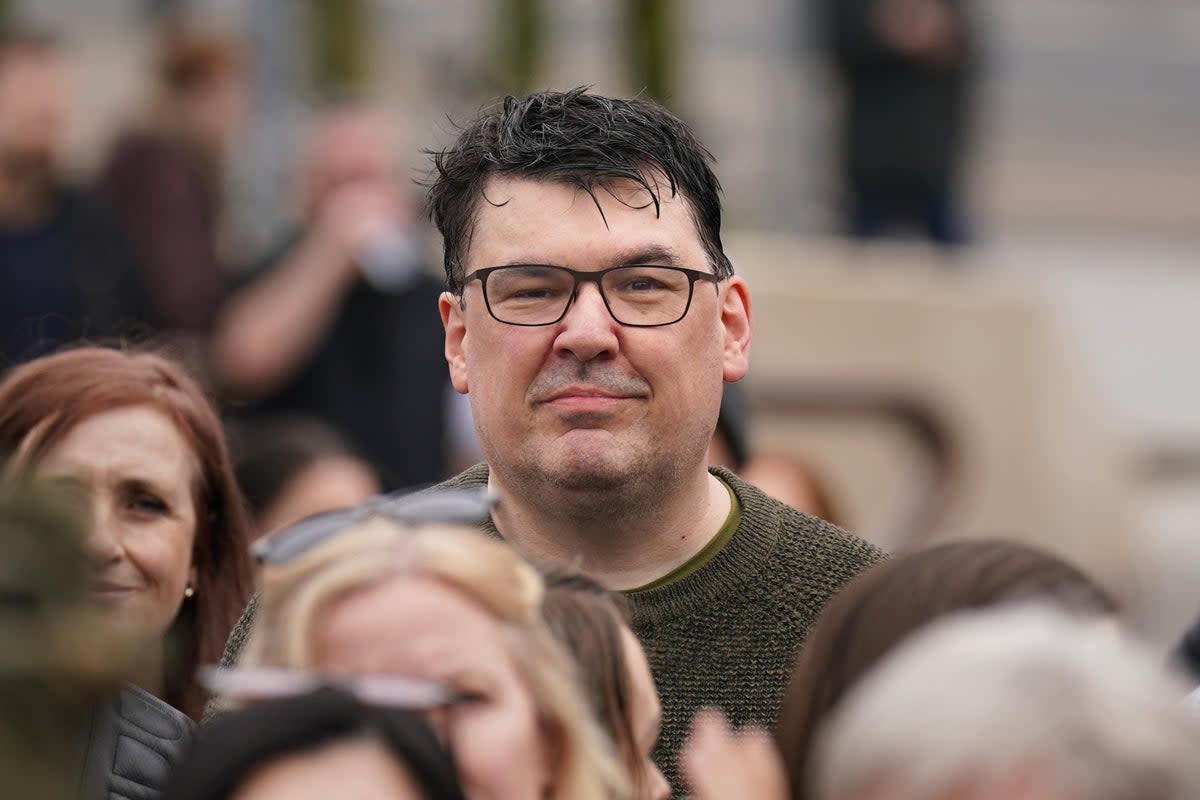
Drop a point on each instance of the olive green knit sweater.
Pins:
(726, 635)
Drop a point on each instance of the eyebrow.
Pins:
(649, 254)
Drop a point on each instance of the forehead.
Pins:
(124, 438)
(412, 624)
(520, 220)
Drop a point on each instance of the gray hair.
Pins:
(988, 698)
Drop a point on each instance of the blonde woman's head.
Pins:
(447, 604)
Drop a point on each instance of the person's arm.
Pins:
(269, 330)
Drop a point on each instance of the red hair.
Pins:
(42, 400)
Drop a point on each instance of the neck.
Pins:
(621, 542)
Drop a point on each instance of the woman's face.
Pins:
(136, 472)
(423, 628)
(645, 718)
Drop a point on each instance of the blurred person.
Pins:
(167, 531)
(906, 70)
(313, 746)
(1024, 702)
(871, 616)
(592, 318)
(363, 594)
(66, 268)
(291, 467)
(164, 176)
(593, 624)
(339, 322)
(59, 660)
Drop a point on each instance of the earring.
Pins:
(189, 591)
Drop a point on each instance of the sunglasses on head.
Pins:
(256, 684)
(429, 507)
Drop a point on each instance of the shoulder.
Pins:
(822, 550)
(475, 477)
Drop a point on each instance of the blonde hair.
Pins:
(295, 594)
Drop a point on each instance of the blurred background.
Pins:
(983, 322)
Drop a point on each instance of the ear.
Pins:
(737, 323)
(455, 324)
(193, 576)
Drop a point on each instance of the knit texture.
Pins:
(727, 635)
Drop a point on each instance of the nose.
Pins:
(587, 331)
(102, 543)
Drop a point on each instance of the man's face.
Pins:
(34, 99)
(587, 403)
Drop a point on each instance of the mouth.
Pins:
(110, 592)
(585, 395)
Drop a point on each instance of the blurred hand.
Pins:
(718, 763)
(354, 215)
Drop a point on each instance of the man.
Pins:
(66, 269)
(592, 317)
(340, 322)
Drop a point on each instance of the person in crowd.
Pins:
(321, 744)
(66, 268)
(593, 624)
(339, 321)
(164, 176)
(291, 467)
(167, 532)
(592, 319)
(870, 617)
(60, 660)
(907, 73)
(1024, 702)
(355, 594)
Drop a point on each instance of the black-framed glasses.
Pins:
(256, 684)
(432, 506)
(637, 295)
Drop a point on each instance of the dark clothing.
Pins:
(728, 634)
(134, 743)
(904, 123)
(379, 378)
(167, 196)
(72, 275)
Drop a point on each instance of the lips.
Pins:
(583, 393)
(110, 591)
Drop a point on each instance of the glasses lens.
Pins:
(529, 295)
(647, 295)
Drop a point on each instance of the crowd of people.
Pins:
(210, 587)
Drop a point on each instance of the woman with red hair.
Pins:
(135, 434)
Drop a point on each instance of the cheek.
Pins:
(163, 554)
(500, 753)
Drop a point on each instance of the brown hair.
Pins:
(42, 400)
(886, 603)
(587, 618)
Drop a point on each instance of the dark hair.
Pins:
(886, 603)
(268, 454)
(579, 139)
(41, 401)
(586, 619)
(234, 745)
